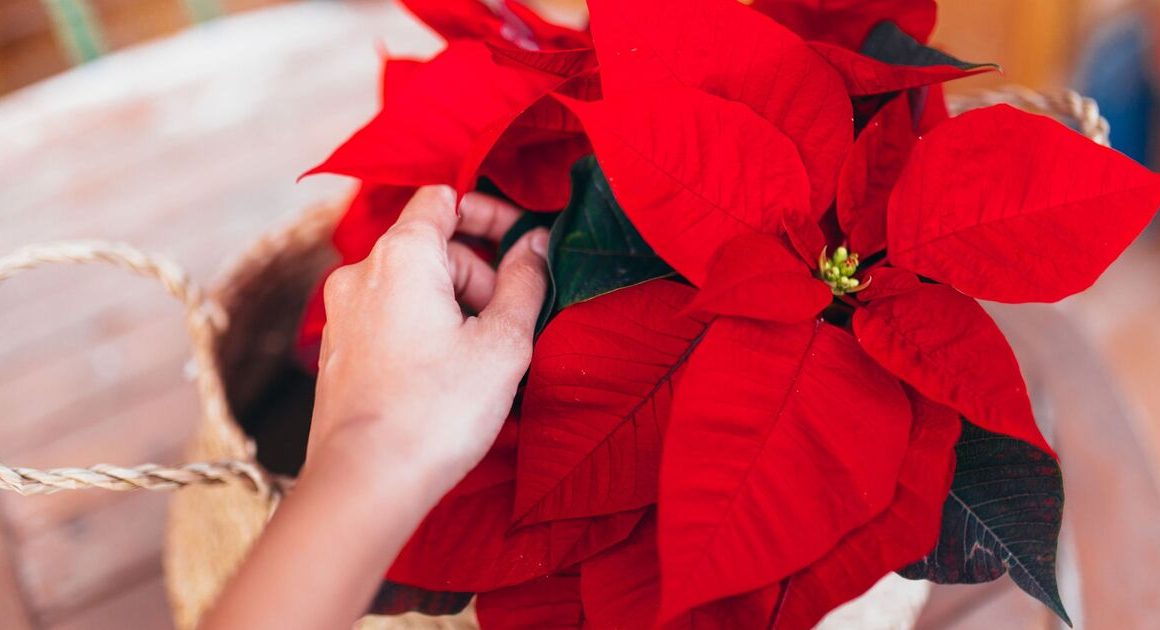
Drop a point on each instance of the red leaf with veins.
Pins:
(692, 170)
(597, 402)
(848, 22)
(1014, 207)
(946, 346)
(865, 75)
(495, 469)
(720, 47)
(547, 603)
(559, 63)
(424, 132)
(465, 544)
(531, 165)
(529, 157)
(782, 440)
(905, 532)
(621, 589)
(869, 174)
(805, 236)
(883, 282)
(756, 277)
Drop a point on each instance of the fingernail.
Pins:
(539, 242)
(445, 194)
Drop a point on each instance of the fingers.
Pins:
(409, 264)
(521, 284)
(485, 216)
(480, 215)
(432, 206)
(473, 279)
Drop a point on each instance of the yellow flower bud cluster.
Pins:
(838, 271)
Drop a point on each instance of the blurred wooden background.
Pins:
(33, 46)
(1035, 40)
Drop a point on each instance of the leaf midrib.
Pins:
(999, 541)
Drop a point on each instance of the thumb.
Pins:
(520, 286)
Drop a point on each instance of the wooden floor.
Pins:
(156, 147)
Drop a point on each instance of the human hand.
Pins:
(409, 385)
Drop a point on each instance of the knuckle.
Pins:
(338, 285)
(526, 276)
(410, 234)
(441, 195)
(510, 336)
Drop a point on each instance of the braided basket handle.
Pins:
(204, 319)
(1065, 105)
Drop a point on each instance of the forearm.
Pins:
(323, 554)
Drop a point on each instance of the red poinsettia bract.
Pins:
(762, 434)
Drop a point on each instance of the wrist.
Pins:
(384, 470)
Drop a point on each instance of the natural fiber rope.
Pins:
(1065, 104)
(28, 481)
(204, 319)
(171, 276)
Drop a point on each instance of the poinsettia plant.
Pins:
(763, 381)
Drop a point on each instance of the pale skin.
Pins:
(411, 394)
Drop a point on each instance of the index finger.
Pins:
(434, 205)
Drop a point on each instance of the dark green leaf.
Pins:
(527, 222)
(889, 44)
(1002, 516)
(594, 249)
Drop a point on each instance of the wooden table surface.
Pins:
(190, 147)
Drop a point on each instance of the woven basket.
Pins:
(256, 406)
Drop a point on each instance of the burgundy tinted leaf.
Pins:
(946, 346)
(783, 439)
(1003, 515)
(1013, 207)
